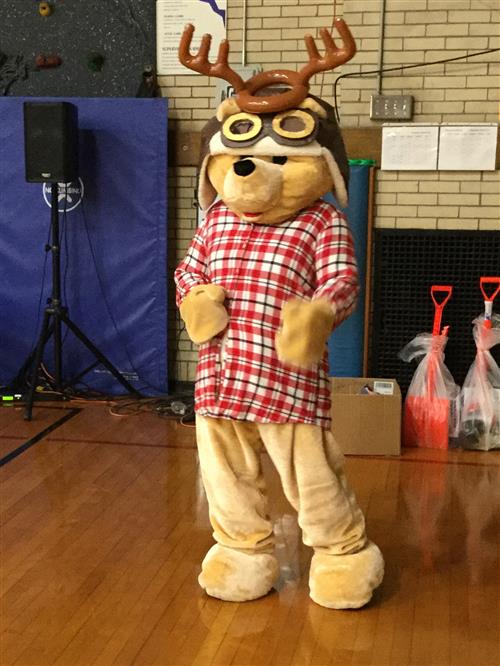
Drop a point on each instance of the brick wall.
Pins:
(416, 31)
(467, 91)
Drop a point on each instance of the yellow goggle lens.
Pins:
(242, 127)
(294, 124)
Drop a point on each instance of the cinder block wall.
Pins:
(415, 31)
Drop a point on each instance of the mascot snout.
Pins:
(253, 186)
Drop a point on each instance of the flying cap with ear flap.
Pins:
(330, 139)
(206, 191)
(327, 143)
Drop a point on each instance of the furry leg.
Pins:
(345, 568)
(240, 566)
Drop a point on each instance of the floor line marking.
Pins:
(39, 436)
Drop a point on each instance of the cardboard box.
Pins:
(366, 423)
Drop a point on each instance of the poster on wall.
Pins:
(469, 147)
(410, 147)
(207, 16)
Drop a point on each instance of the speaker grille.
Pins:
(406, 264)
(51, 142)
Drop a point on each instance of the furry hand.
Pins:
(203, 312)
(306, 326)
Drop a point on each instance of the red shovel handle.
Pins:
(439, 304)
(488, 299)
(490, 280)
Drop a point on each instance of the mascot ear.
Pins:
(311, 104)
(333, 150)
(206, 191)
(339, 184)
(227, 108)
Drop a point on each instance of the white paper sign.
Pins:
(410, 147)
(468, 147)
(207, 16)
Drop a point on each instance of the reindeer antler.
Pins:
(200, 63)
(245, 90)
(333, 55)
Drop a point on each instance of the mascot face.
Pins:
(268, 190)
(271, 151)
(266, 168)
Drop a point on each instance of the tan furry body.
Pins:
(267, 184)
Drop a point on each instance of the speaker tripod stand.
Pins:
(55, 315)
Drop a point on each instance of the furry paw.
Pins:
(234, 575)
(204, 313)
(346, 581)
(305, 328)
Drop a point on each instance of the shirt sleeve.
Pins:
(336, 268)
(192, 270)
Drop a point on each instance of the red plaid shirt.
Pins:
(261, 267)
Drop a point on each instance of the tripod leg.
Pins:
(18, 381)
(57, 352)
(42, 341)
(99, 355)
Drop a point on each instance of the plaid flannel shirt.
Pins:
(261, 267)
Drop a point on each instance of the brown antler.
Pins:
(246, 98)
(298, 81)
(200, 63)
(333, 56)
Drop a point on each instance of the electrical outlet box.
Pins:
(391, 107)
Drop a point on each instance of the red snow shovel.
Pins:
(480, 417)
(427, 405)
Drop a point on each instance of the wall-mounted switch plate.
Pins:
(391, 107)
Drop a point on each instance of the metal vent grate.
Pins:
(406, 264)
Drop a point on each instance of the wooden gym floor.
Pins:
(104, 525)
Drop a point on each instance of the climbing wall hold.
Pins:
(45, 8)
(95, 61)
(43, 61)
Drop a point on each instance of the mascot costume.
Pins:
(268, 275)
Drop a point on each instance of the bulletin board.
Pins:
(122, 32)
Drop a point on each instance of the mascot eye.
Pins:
(295, 124)
(242, 127)
(280, 159)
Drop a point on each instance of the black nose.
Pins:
(243, 167)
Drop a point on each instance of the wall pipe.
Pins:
(244, 36)
(381, 46)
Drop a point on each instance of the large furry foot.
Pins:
(234, 575)
(346, 581)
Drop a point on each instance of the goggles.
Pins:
(294, 127)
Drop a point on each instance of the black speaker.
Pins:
(51, 142)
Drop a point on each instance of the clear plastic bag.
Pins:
(431, 406)
(480, 395)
